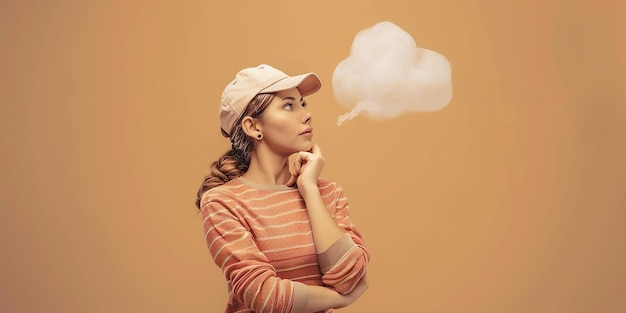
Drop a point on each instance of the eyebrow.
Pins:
(293, 99)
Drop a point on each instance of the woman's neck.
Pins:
(269, 170)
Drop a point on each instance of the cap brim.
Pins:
(307, 84)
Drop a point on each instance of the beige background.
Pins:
(511, 199)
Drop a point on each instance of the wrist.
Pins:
(322, 298)
(308, 189)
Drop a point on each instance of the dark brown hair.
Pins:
(235, 162)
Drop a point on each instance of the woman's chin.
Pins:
(304, 147)
(307, 147)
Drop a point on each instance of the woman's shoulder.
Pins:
(328, 185)
(228, 191)
(232, 186)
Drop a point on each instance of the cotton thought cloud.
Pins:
(386, 74)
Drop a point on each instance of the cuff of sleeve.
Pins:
(334, 253)
(301, 297)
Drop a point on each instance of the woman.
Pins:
(284, 240)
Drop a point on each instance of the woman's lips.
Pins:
(307, 132)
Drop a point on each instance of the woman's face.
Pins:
(286, 123)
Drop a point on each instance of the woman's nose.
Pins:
(307, 117)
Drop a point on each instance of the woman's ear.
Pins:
(250, 126)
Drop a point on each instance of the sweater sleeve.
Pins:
(252, 279)
(345, 262)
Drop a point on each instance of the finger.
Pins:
(316, 149)
(292, 180)
(297, 164)
(297, 168)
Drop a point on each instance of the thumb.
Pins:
(316, 149)
(292, 180)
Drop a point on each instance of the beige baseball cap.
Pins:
(261, 79)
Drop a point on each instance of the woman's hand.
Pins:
(307, 168)
(359, 290)
(323, 298)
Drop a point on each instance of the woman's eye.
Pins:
(304, 104)
(288, 106)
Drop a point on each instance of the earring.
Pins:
(260, 136)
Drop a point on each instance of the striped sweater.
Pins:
(261, 238)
